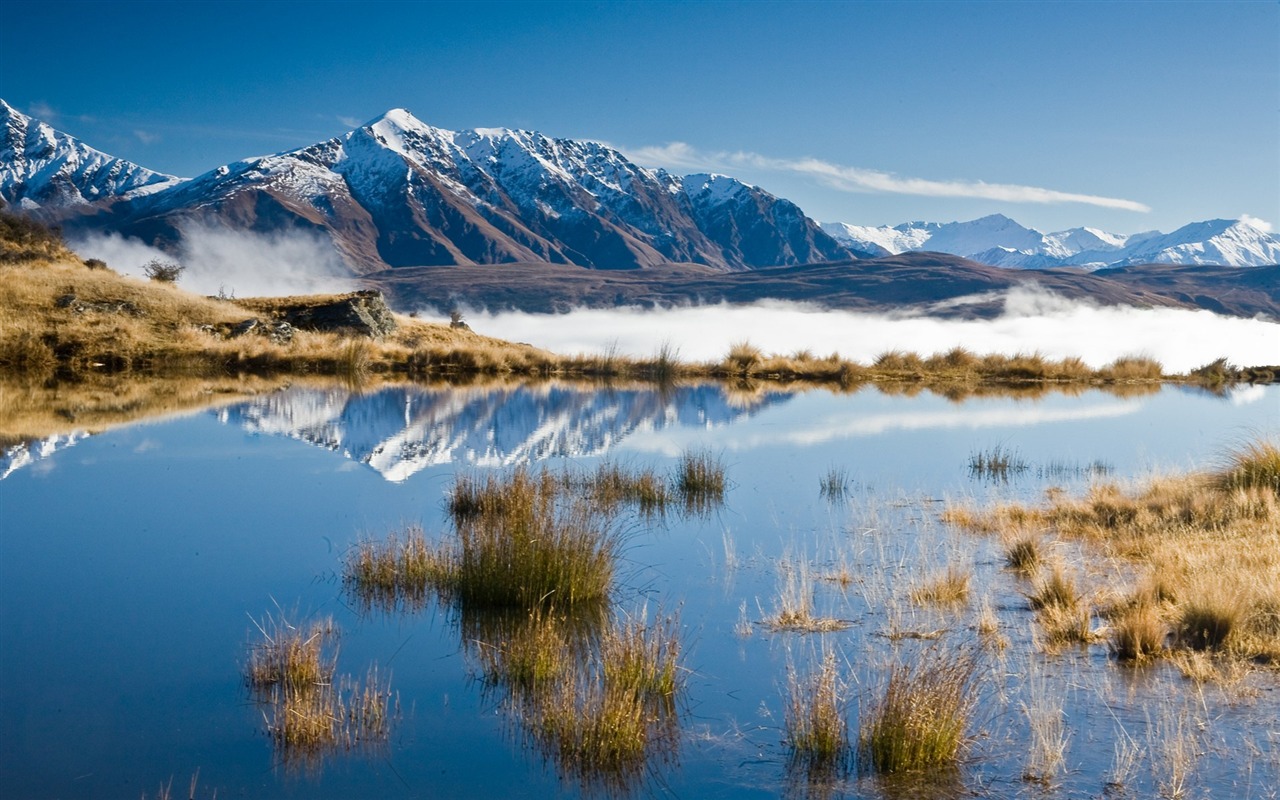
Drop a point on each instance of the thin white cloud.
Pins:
(1254, 222)
(680, 155)
(43, 112)
(146, 137)
(350, 122)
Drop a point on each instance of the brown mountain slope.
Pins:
(930, 282)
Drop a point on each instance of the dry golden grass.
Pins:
(1206, 545)
(949, 587)
(118, 323)
(814, 720)
(918, 719)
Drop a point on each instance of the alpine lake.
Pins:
(143, 566)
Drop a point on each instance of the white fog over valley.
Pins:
(1038, 322)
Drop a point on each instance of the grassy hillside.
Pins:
(61, 317)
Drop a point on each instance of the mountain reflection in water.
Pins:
(401, 430)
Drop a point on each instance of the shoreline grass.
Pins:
(63, 317)
(1205, 548)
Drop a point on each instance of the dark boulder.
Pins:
(365, 313)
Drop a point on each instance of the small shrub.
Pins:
(162, 271)
(95, 263)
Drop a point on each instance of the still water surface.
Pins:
(134, 561)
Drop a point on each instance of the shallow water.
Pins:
(135, 561)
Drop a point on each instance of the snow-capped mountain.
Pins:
(398, 192)
(399, 431)
(999, 241)
(40, 167)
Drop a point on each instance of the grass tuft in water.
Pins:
(520, 543)
(918, 719)
(997, 464)
(1023, 554)
(816, 731)
(947, 588)
(835, 484)
(1137, 632)
(700, 480)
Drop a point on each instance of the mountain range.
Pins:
(397, 192)
(1001, 242)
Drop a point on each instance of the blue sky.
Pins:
(1056, 114)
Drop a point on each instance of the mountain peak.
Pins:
(41, 166)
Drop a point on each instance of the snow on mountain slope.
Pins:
(40, 167)
(999, 241)
(398, 192)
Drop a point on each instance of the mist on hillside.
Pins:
(1032, 322)
(231, 263)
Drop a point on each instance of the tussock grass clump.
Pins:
(1063, 615)
(700, 480)
(612, 485)
(743, 357)
(1056, 589)
(949, 587)
(395, 574)
(1137, 631)
(520, 543)
(309, 712)
(290, 657)
(1022, 553)
(611, 713)
(643, 657)
(1207, 622)
(918, 718)
(814, 720)
(1132, 368)
(1253, 465)
(834, 485)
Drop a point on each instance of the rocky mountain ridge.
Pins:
(397, 192)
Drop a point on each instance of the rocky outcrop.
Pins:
(364, 313)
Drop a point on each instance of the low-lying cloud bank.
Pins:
(1033, 321)
(234, 263)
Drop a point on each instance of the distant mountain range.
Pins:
(397, 192)
(1001, 242)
